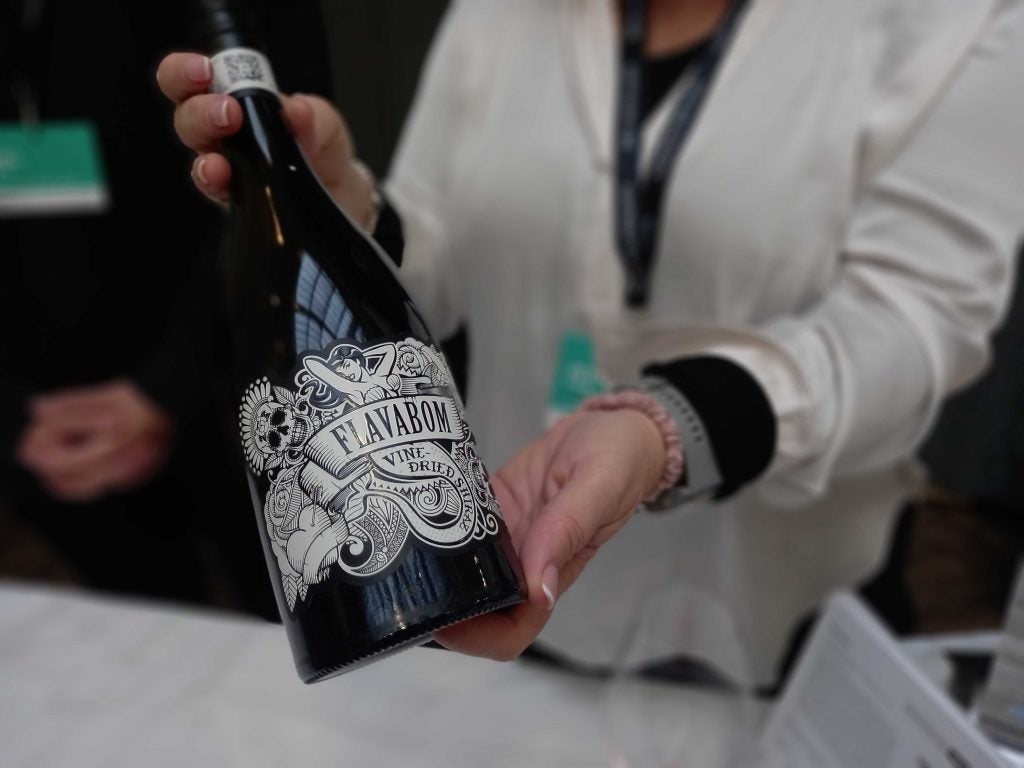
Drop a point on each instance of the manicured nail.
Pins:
(219, 114)
(198, 70)
(200, 170)
(549, 585)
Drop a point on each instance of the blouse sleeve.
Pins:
(926, 270)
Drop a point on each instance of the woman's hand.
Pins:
(202, 119)
(87, 442)
(562, 497)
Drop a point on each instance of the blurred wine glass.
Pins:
(680, 713)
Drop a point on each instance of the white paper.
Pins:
(1001, 709)
(855, 701)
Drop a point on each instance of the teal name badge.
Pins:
(576, 376)
(53, 167)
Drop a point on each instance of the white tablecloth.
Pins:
(88, 682)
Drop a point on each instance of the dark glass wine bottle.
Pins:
(378, 520)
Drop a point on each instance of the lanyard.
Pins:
(23, 56)
(638, 202)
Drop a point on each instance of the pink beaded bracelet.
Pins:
(641, 401)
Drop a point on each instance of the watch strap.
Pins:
(701, 476)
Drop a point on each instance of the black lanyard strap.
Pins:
(22, 55)
(638, 203)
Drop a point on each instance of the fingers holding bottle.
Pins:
(327, 143)
(211, 173)
(201, 119)
(564, 496)
(183, 75)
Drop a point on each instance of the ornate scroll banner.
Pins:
(369, 451)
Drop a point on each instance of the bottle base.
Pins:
(405, 639)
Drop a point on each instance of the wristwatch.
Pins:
(700, 471)
(376, 199)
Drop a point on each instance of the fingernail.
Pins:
(198, 70)
(219, 114)
(549, 585)
(200, 170)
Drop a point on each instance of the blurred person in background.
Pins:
(830, 244)
(112, 448)
(965, 538)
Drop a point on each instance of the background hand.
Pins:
(86, 442)
(202, 119)
(563, 496)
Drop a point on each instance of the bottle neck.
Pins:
(264, 142)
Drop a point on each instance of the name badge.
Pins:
(575, 378)
(50, 168)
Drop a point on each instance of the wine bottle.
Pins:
(378, 520)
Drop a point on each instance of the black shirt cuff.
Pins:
(736, 413)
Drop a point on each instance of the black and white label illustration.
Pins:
(368, 452)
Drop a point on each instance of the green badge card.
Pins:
(53, 167)
(576, 376)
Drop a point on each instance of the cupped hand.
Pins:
(563, 496)
(86, 442)
(203, 119)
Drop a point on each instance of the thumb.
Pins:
(320, 130)
(563, 538)
(298, 114)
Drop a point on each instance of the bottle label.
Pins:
(236, 69)
(367, 454)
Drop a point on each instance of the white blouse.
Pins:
(842, 224)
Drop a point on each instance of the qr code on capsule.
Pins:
(243, 66)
